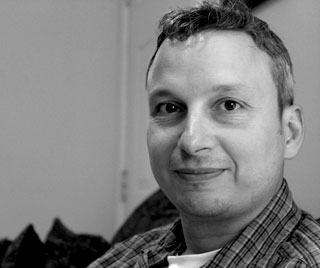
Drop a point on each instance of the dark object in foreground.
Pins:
(62, 248)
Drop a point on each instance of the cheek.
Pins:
(255, 153)
(160, 146)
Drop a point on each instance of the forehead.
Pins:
(212, 53)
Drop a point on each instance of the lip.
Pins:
(198, 174)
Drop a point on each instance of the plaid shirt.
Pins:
(281, 236)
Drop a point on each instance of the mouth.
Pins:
(198, 175)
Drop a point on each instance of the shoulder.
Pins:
(128, 252)
(303, 245)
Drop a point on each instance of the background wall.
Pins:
(58, 113)
(298, 24)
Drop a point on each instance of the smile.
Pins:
(198, 175)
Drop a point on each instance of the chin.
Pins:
(202, 207)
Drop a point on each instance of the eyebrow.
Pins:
(161, 93)
(223, 88)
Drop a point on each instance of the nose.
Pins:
(198, 135)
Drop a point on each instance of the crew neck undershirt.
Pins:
(191, 260)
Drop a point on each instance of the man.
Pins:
(222, 123)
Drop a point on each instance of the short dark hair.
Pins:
(234, 15)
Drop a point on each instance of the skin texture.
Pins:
(216, 143)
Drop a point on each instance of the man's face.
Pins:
(215, 137)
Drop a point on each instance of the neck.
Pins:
(204, 235)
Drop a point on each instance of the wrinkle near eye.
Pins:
(167, 112)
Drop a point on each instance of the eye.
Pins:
(229, 105)
(168, 108)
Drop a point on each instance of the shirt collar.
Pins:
(172, 243)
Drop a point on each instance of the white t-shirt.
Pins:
(191, 260)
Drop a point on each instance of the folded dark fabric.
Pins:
(67, 249)
(62, 249)
(156, 210)
(26, 250)
(4, 245)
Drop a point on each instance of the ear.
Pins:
(293, 126)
